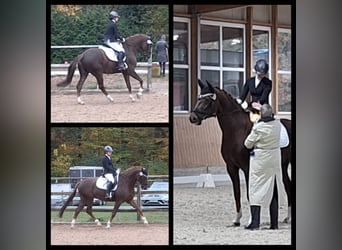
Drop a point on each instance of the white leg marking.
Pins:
(73, 222)
(108, 224)
(139, 94)
(110, 98)
(98, 222)
(80, 101)
(144, 220)
(238, 217)
(132, 97)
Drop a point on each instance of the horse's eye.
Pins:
(199, 98)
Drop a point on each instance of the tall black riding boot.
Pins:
(109, 187)
(121, 65)
(274, 208)
(255, 211)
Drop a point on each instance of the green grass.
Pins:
(120, 217)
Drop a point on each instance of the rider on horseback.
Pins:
(258, 86)
(113, 39)
(109, 171)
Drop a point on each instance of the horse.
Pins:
(235, 124)
(95, 61)
(124, 192)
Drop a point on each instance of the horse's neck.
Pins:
(226, 105)
(132, 46)
(130, 180)
(230, 115)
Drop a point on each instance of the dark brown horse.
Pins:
(88, 190)
(95, 62)
(235, 125)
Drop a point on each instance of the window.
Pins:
(284, 70)
(181, 64)
(261, 50)
(222, 55)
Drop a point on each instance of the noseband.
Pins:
(205, 115)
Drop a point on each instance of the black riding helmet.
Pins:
(113, 14)
(261, 66)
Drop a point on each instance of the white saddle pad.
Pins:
(284, 137)
(109, 53)
(101, 183)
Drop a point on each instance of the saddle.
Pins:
(111, 54)
(101, 183)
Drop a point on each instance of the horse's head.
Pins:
(205, 106)
(146, 47)
(143, 174)
(213, 102)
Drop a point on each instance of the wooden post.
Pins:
(149, 72)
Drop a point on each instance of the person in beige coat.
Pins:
(265, 167)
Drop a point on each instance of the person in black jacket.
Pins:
(258, 86)
(113, 39)
(109, 171)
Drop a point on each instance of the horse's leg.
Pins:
(139, 211)
(134, 74)
(128, 84)
(83, 77)
(90, 212)
(287, 184)
(99, 78)
(115, 210)
(77, 211)
(233, 172)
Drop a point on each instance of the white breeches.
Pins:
(116, 46)
(109, 177)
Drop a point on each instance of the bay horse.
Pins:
(235, 124)
(95, 61)
(88, 190)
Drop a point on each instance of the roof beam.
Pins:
(200, 9)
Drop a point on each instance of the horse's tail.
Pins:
(71, 196)
(71, 71)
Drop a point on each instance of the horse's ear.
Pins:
(211, 88)
(144, 170)
(201, 84)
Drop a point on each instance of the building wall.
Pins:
(196, 146)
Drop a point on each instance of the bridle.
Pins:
(204, 115)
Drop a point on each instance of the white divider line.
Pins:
(200, 178)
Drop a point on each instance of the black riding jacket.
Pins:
(260, 93)
(112, 32)
(108, 166)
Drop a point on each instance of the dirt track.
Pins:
(118, 234)
(204, 216)
(153, 106)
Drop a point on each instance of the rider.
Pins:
(258, 86)
(113, 39)
(109, 171)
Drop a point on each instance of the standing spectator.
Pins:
(265, 167)
(162, 54)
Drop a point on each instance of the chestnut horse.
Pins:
(95, 61)
(235, 125)
(124, 193)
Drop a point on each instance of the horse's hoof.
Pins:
(237, 224)
(139, 95)
(286, 220)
